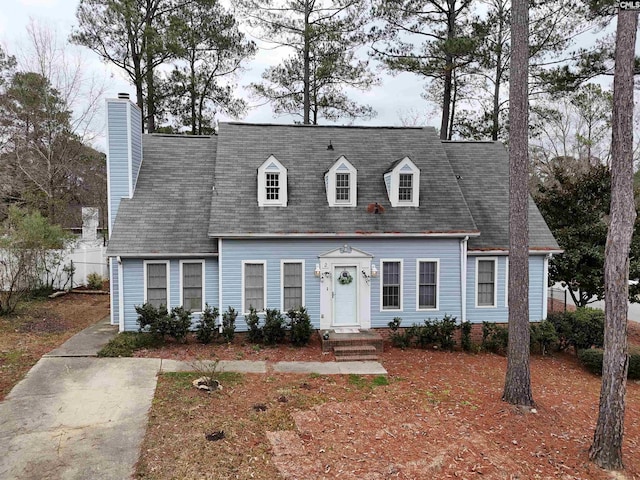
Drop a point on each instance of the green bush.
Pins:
(152, 319)
(229, 324)
(273, 331)
(399, 339)
(591, 358)
(253, 322)
(207, 325)
(431, 332)
(495, 338)
(543, 337)
(125, 343)
(95, 281)
(465, 336)
(581, 329)
(300, 326)
(179, 323)
(445, 329)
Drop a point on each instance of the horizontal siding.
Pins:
(500, 313)
(114, 290)
(273, 251)
(136, 142)
(117, 137)
(133, 273)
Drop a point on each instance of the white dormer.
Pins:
(272, 184)
(341, 182)
(403, 184)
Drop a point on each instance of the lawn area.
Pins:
(439, 415)
(39, 326)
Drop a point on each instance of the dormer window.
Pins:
(341, 184)
(403, 183)
(272, 183)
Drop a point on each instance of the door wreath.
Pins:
(345, 278)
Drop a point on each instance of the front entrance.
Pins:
(345, 296)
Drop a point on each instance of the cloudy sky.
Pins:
(395, 98)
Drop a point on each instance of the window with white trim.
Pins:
(272, 183)
(341, 184)
(486, 283)
(156, 284)
(391, 285)
(292, 285)
(192, 285)
(254, 286)
(427, 285)
(403, 184)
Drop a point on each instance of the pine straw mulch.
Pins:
(39, 326)
(438, 415)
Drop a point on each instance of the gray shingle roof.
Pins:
(169, 211)
(483, 168)
(242, 148)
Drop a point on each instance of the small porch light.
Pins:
(374, 270)
(316, 272)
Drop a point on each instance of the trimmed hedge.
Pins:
(581, 329)
(591, 358)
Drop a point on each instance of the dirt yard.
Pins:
(38, 327)
(438, 415)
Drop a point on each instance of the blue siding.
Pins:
(115, 292)
(118, 148)
(136, 143)
(133, 287)
(500, 313)
(273, 251)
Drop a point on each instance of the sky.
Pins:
(403, 102)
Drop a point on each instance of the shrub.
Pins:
(179, 323)
(95, 281)
(253, 322)
(152, 319)
(125, 343)
(229, 324)
(495, 338)
(581, 329)
(207, 325)
(274, 327)
(300, 325)
(424, 335)
(465, 336)
(395, 324)
(591, 358)
(399, 339)
(444, 330)
(543, 337)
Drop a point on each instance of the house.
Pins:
(358, 224)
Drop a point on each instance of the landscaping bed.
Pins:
(39, 326)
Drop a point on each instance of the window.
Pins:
(341, 182)
(273, 186)
(292, 285)
(402, 182)
(192, 285)
(342, 187)
(427, 285)
(405, 187)
(272, 183)
(391, 285)
(156, 288)
(486, 283)
(254, 286)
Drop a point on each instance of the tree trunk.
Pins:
(517, 385)
(446, 97)
(606, 449)
(149, 53)
(307, 60)
(495, 114)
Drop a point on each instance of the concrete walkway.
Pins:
(75, 416)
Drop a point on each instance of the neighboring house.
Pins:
(358, 224)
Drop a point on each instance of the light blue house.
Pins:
(358, 224)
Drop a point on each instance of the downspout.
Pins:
(220, 283)
(120, 295)
(545, 284)
(463, 278)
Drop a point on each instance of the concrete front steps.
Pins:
(364, 345)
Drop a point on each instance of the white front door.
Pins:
(345, 296)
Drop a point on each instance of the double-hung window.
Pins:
(392, 285)
(192, 283)
(486, 283)
(273, 186)
(156, 276)
(292, 285)
(342, 187)
(254, 286)
(427, 285)
(405, 187)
